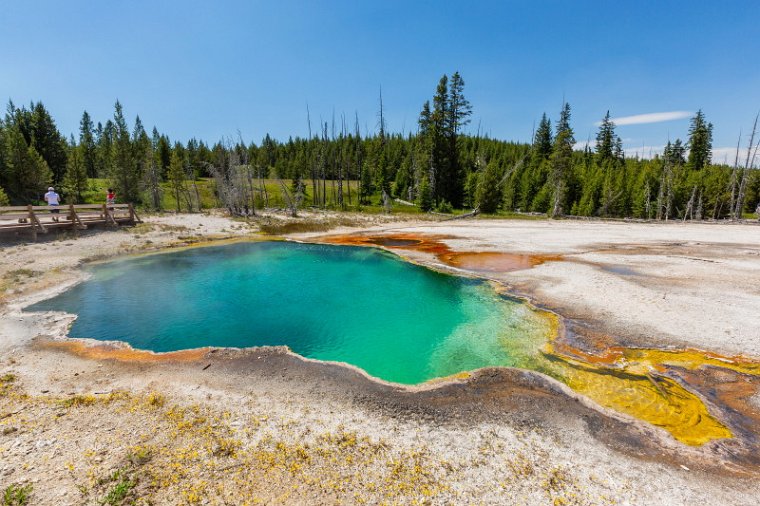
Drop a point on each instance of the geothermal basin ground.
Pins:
(83, 422)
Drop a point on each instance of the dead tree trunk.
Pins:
(312, 166)
(648, 202)
(689, 212)
(324, 167)
(290, 202)
(700, 210)
(744, 177)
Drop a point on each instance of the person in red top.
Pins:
(110, 197)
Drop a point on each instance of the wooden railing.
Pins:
(41, 219)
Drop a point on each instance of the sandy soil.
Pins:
(104, 425)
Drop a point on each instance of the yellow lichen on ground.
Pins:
(654, 399)
(688, 359)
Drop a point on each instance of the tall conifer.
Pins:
(605, 140)
(87, 145)
(700, 142)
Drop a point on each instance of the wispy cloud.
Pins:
(720, 155)
(651, 117)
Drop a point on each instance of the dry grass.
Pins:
(158, 452)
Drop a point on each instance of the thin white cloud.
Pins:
(720, 155)
(651, 117)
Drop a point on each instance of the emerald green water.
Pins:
(397, 321)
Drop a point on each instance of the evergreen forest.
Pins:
(440, 167)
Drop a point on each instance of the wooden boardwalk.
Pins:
(35, 220)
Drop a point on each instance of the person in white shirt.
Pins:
(53, 200)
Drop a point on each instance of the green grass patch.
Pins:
(121, 490)
(17, 495)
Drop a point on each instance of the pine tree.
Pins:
(176, 175)
(3, 168)
(674, 153)
(75, 181)
(4, 200)
(365, 185)
(124, 175)
(164, 154)
(489, 191)
(142, 154)
(439, 146)
(700, 142)
(404, 178)
(48, 141)
(561, 162)
(104, 143)
(28, 173)
(563, 124)
(425, 195)
(459, 111)
(605, 140)
(87, 145)
(424, 120)
(542, 142)
(382, 172)
(618, 152)
(471, 188)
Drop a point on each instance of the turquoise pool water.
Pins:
(396, 320)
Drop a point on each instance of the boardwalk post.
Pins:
(76, 223)
(32, 218)
(35, 223)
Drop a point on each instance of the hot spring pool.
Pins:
(395, 320)
(363, 306)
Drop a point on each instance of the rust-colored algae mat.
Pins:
(493, 261)
(633, 381)
(479, 261)
(123, 353)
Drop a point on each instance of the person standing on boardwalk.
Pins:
(53, 200)
(757, 211)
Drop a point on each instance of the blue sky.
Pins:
(208, 69)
